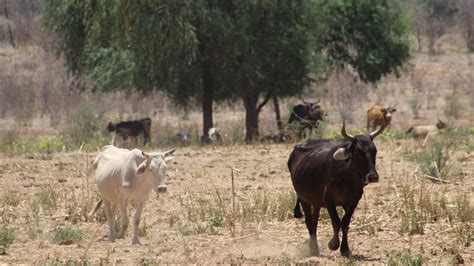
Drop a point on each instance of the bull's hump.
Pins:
(319, 144)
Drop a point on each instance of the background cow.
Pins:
(128, 176)
(307, 115)
(328, 173)
(423, 131)
(133, 129)
(378, 116)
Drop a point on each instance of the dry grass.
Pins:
(403, 219)
(48, 189)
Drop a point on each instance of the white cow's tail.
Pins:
(97, 206)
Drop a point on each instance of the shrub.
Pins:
(7, 236)
(67, 235)
(85, 123)
(406, 258)
(433, 158)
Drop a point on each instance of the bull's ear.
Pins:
(341, 154)
(141, 168)
(169, 158)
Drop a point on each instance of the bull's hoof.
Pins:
(313, 247)
(297, 214)
(345, 253)
(334, 243)
(136, 242)
(120, 235)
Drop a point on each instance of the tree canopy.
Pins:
(218, 50)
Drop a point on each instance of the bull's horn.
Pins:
(378, 131)
(317, 101)
(146, 155)
(344, 133)
(303, 101)
(168, 153)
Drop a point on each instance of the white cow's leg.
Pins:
(109, 212)
(136, 223)
(123, 217)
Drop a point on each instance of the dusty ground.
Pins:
(178, 226)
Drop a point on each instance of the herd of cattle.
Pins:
(325, 173)
(306, 115)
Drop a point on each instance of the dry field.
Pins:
(407, 218)
(404, 218)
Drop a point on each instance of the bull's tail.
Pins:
(297, 211)
(97, 206)
(409, 130)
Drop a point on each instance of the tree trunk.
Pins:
(277, 113)
(251, 116)
(207, 100)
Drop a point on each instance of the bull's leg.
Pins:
(336, 224)
(297, 211)
(110, 214)
(311, 218)
(123, 217)
(146, 137)
(346, 220)
(136, 223)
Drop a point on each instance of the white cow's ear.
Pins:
(169, 158)
(341, 154)
(141, 168)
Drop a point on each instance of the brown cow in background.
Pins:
(422, 131)
(378, 116)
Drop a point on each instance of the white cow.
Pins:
(127, 176)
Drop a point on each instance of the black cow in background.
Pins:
(307, 115)
(134, 128)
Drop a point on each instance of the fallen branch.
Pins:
(438, 179)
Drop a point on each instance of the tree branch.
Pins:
(260, 106)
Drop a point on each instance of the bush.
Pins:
(7, 236)
(67, 235)
(84, 126)
(433, 158)
(11, 199)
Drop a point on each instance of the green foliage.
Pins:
(433, 158)
(412, 219)
(224, 50)
(7, 236)
(406, 258)
(67, 235)
(11, 199)
(371, 36)
(48, 198)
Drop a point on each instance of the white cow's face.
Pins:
(158, 170)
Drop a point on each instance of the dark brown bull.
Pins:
(330, 173)
(307, 115)
(133, 129)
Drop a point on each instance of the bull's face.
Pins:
(155, 166)
(361, 153)
(315, 111)
(158, 170)
(388, 113)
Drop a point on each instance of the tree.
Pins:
(440, 14)
(219, 50)
(466, 22)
